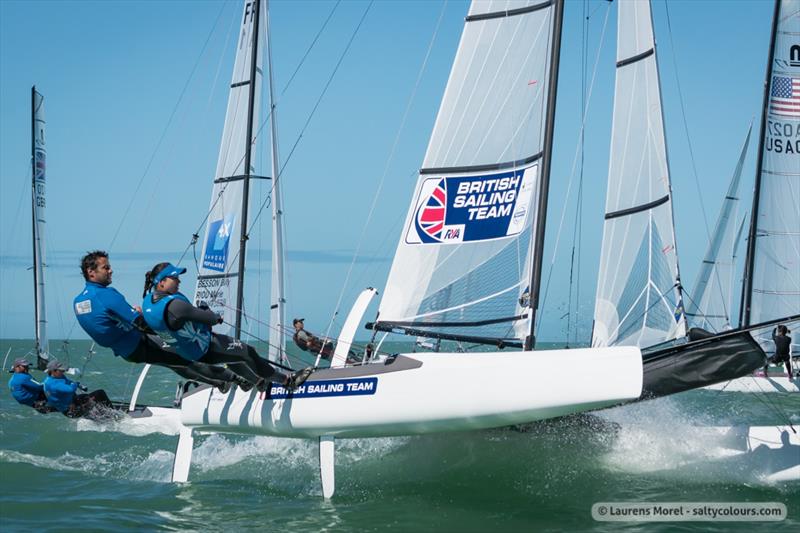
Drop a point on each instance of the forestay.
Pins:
(711, 299)
(218, 278)
(775, 254)
(638, 296)
(463, 260)
(39, 163)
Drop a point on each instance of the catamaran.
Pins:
(771, 286)
(466, 269)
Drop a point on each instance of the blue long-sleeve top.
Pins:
(108, 319)
(25, 389)
(60, 392)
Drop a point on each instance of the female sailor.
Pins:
(188, 330)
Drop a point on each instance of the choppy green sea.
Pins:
(67, 475)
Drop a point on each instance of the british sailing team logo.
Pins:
(219, 234)
(472, 208)
(431, 215)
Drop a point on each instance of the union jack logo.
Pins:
(431, 214)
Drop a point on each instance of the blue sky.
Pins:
(113, 73)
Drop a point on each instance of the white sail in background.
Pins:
(638, 297)
(776, 247)
(712, 297)
(38, 184)
(464, 253)
(218, 279)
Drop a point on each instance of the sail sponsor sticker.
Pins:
(326, 388)
(472, 208)
(219, 235)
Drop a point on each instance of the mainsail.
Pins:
(221, 267)
(710, 306)
(638, 292)
(464, 260)
(772, 276)
(39, 167)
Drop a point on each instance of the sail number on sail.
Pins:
(471, 208)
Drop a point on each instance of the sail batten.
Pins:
(638, 292)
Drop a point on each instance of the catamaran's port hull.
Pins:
(426, 393)
(700, 363)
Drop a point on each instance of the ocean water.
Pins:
(61, 475)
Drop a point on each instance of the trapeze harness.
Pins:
(191, 341)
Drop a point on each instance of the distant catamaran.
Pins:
(38, 183)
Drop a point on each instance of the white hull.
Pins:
(426, 393)
(755, 384)
(774, 448)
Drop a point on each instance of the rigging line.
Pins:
(166, 128)
(685, 124)
(574, 164)
(389, 161)
(308, 51)
(314, 109)
(584, 65)
(257, 135)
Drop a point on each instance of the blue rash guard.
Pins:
(104, 314)
(60, 392)
(25, 389)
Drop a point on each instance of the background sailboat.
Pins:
(38, 205)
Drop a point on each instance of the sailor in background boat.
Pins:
(25, 389)
(783, 342)
(308, 342)
(112, 322)
(60, 392)
(188, 329)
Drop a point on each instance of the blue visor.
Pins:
(170, 271)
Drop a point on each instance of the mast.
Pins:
(38, 176)
(277, 310)
(747, 284)
(679, 307)
(544, 182)
(256, 12)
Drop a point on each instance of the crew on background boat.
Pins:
(113, 323)
(188, 330)
(25, 389)
(783, 342)
(308, 342)
(60, 393)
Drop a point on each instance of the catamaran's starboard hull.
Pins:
(426, 393)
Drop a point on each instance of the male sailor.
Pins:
(60, 393)
(112, 322)
(783, 344)
(188, 329)
(25, 389)
(308, 342)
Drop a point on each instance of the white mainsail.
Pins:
(638, 292)
(464, 257)
(38, 183)
(710, 306)
(773, 288)
(220, 263)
